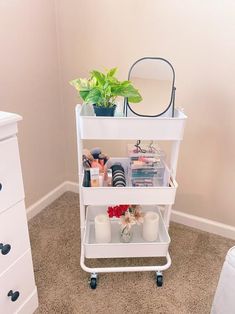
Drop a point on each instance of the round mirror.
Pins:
(154, 78)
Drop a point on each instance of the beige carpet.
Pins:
(189, 285)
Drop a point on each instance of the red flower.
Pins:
(110, 212)
(117, 211)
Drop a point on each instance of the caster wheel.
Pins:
(93, 283)
(159, 280)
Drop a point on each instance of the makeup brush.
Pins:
(87, 154)
(95, 152)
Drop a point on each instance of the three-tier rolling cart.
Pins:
(90, 127)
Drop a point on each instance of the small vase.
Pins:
(126, 235)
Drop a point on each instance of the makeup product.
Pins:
(95, 164)
(150, 226)
(101, 179)
(109, 177)
(86, 178)
(86, 162)
(101, 162)
(102, 228)
(103, 157)
(95, 152)
(118, 175)
(117, 166)
(147, 168)
(87, 154)
(94, 173)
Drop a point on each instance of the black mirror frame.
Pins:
(172, 99)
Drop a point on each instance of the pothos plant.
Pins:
(102, 89)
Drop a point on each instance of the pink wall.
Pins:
(198, 38)
(29, 85)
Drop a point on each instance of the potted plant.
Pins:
(102, 89)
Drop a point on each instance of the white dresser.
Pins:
(18, 292)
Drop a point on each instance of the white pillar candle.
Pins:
(150, 226)
(102, 229)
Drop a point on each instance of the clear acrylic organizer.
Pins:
(147, 166)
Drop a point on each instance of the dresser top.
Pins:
(8, 118)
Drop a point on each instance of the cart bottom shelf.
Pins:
(138, 247)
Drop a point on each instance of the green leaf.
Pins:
(75, 83)
(125, 83)
(108, 92)
(135, 99)
(80, 84)
(100, 77)
(112, 72)
(127, 90)
(92, 82)
(94, 96)
(84, 94)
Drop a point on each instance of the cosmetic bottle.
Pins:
(94, 173)
(86, 178)
(95, 164)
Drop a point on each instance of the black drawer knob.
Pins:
(14, 295)
(5, 249)
(0, 186)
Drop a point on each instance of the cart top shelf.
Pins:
(132, 128)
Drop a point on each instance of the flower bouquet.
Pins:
(129, 215)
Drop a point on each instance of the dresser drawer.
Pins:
(17, 279)
(14, 238)
(11, 184)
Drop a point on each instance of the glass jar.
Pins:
(126, 234)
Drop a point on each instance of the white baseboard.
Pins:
(177, 216)
(72, 186)
(203, 224)
(50, 197)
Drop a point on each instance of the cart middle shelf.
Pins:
(164, 195)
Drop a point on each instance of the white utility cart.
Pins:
(90, 127)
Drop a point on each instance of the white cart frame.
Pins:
(128, 128)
